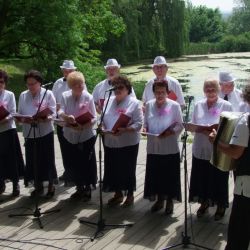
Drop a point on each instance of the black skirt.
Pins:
(40, 159)
(162, 177)
(207, 183)
(120, 168)
(11, 158)
(82, 169)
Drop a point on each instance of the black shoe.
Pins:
(37, 192)
(61, 178)
(202, 209)
(51, 192)
(86, 195)
(79, 194)
(16, 190)
(2, 187)
(219, 214)
(157, 206)
(169, 207)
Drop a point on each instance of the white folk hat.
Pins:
(68, 64)
(160, 60)
(225, 77)
(112, 63)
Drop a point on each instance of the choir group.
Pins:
(75, 113)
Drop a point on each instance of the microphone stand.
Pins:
(185, 238)
(37, 211)
(101, 225)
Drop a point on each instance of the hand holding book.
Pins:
(192, 127)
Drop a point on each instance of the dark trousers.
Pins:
(238, 235)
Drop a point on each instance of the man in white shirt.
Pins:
(160, 69)
(112, 69)
(59, 87)
(238, 236)
(228, 91)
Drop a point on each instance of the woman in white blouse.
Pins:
(80, 138)
(208, 185)
(11, 159)
(245, 106)
(163, 123)
(38, 134)
(121, 147)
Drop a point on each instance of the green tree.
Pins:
(206, 24)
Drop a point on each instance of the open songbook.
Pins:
(84, 118)
(43, 114)
(3, 112)
(122, 122)
(192, 127)
(169, 128)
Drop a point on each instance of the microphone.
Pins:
(47, 84)
(111, 89)
(190, 98)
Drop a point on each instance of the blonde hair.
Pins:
(75, 77)
(211, 83)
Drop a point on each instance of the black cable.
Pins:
(32, 243)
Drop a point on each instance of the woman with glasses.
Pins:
(208, 185)
(11, 159)
(121, 143)
(38, 134)
(163, 120)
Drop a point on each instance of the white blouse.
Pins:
(156, 120)
(28, 105)
(173, 85)
(244, 107)
(7, 99)
(240, 137)
(202, 148)
(234, 98)
(99, 92)
(72, 106)
(131, 107)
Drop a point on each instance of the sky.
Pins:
(223, 5)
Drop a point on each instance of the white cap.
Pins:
(112, 63)
(225, 77)
(68, 64)
(160, 60)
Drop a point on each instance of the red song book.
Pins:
(192, 127)
(43, 114)
(122, 122)
(84, 118)
(3, 112)
(172, 95)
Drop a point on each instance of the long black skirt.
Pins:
(11, 158)
(162, 177)
(207, 183)
(82, 170)
(120, 168)
(40, 159)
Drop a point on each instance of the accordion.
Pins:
(227, 124)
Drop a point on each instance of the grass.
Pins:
(15, 69)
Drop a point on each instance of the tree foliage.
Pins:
(206, 24)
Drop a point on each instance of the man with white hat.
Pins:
(59, 87)
(228, 91)
(160, 69)
(112, 69)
